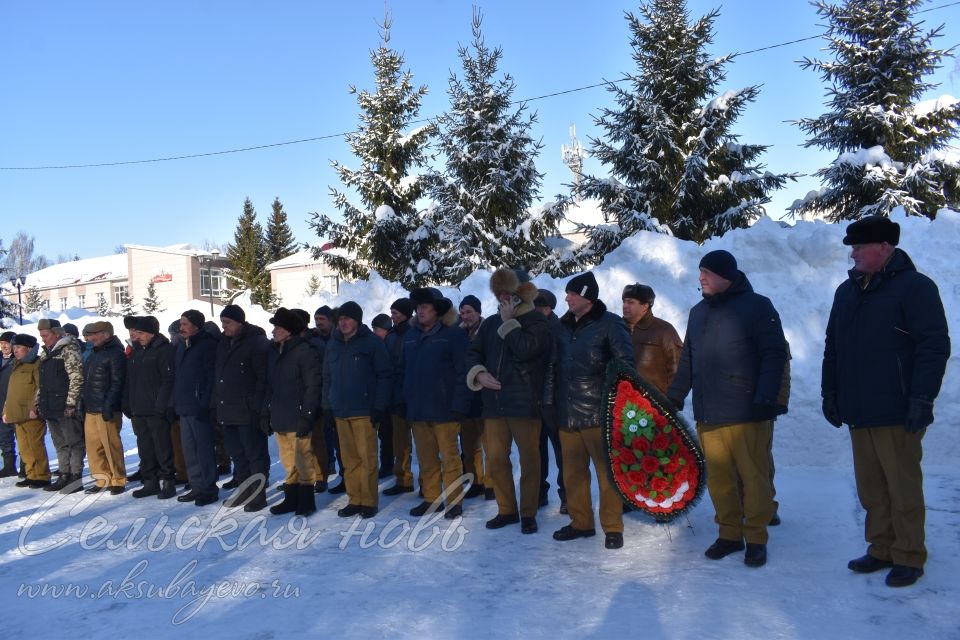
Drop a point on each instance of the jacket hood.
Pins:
(738, 286)
(65, 340)
(362, 330)
(899, 262)
(32, 355)
(159, 340)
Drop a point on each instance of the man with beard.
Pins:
(148, 389)
(104, 374)
(61, 381)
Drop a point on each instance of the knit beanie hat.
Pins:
(545, 298)
(195, 318)
(382, 321)
(234, 312)
(7, 336)
(471, 301)
(585, 285)
(404, 306)
(351, 310)
(721, 263)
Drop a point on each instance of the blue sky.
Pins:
(103, 82)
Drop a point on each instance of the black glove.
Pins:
(304, 427)
(831, 411)
(170, 415)
(265, 424)
(677, 403)
(919, 415)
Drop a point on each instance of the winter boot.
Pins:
(239, 497)
(22, 473)
(290, 500)
(168, 489)
(306, 500)
(257, 502)
(74, 484)
(149, 488)
(59, 483)
(9, 466)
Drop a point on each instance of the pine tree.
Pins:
(103, 307)
(313, 285)
(675, 165)
(248, 258)
(127, 307)
(33, 301)
(279, 238)
(890, 148)
(484, 196)
(151, 303)
(385, 231)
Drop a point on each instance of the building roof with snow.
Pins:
(113, 267)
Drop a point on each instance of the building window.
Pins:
(211, 282)
(101, 298)
(82, 301)
(46, 304)
(332, 284)
(63, 304)
(119, 293)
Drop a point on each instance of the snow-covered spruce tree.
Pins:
(127, 307)
(385, 231)
(891, 149)
(33, 301)
(248, 257)
(674, 163)
(279, 237)
(484, 195)
(103, 307)
(152, 303)
(313, 285)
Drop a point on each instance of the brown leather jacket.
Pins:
(656, 348)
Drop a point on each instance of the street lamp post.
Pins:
(210, 260)
(18, 283)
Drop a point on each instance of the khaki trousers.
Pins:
(318, 444)
(179, 462)
(358, 446)
(402, 451)
(500, 434)
(578, 449)
(33, 451)
(296, 458)
(438, 454)
(886, 463)
(105, 450)
(738, 478)
(472, 443)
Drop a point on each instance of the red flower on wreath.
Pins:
(627, 457)
(649, 464)
(660, 442)
(642, 445)
(636, 478)
(658, 484)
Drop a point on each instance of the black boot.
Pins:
(168, 489)
(59, 483)
(289, 504)
(149, 488)
(74, 484)
(9, 466)
(306, 500)
(257, 502)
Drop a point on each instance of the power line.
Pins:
(422, 120)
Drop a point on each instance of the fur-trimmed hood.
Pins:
(514, 282)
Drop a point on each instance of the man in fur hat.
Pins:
(436, 397)
(589, 337)
(507, 362)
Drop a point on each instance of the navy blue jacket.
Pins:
(394, 342)
(357, 374)
(584, 348)
(435, 372)
(104, 373)
(885, 343)
(734, 355)
(516, 353)
(294, 381)
(193, 378)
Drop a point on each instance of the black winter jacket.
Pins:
(584, 349)
(240, 379)
(6, 368)
(394, 343)
(516, 353)
(149, 378)
(104, 373)
(193, 381)
(885, 344)
(357, 374)
(733, 357)
(294, 381)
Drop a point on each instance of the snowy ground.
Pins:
(197, 576)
